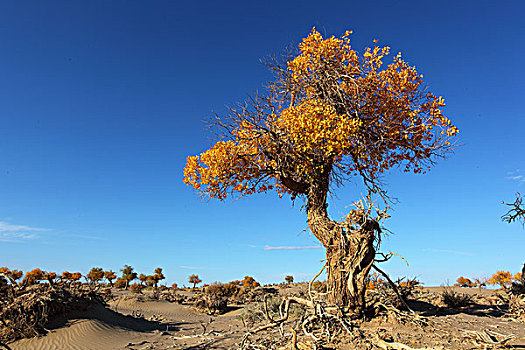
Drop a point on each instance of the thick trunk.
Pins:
(349, 263)
(349, 253)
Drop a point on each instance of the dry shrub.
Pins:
(25, 311)
(517, 306)
(172, 297)
(382, 294)
(319, 286)
(215, 298)
(517, 287)
(211, 304)
(254, 313)
(455, 300)
(227, 290)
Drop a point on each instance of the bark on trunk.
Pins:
(349, 252)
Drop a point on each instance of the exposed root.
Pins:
(398, 346)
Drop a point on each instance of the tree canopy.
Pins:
(329, 114)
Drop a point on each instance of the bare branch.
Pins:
(516, 211)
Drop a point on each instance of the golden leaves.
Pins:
(345, 112)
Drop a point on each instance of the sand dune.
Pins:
(162, 325)
(134, 322)
(81, 334)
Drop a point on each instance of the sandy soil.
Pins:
(142, 323)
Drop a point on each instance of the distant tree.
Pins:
(289, 279)
(66, 276)
(195, 280)
(158, 276)
(16, 274)
(34, 276)
(249, 282)
(373, 281)
(409, 283)
(120, 283)
(71, 277)
(128, 274)
(502, 278)
(11, 275)
(50, 277)
(143, 278)
(95, 275)
(110, 276)
(481, 282)
(174, 286)
(465, 282)
(330, 115)
(150, 281)
(76, 276)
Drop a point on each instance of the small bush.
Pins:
(136, 288)
(319, 286)
(455, 300)
(253, 314)
(227, 290)
(211, 304)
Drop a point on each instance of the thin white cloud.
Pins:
(198, 268)
(18, 233)
(96, 238)
(5, 227)
(516, 175)
(268, 248)
(17, 237)
(448, 251)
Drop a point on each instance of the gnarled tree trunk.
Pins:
(349, 250)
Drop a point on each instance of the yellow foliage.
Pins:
(331, 111)
(503, 278)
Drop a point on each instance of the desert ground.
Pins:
(145, 321)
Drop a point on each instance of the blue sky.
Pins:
(101, 102)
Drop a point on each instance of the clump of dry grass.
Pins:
(454, 299)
